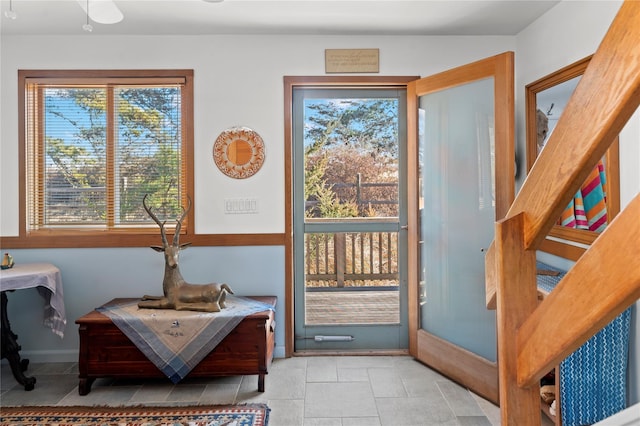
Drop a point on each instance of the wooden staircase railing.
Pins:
(606, 279)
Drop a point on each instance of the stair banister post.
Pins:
(516, 298)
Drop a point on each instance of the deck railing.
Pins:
(606, 279)
(348, 260)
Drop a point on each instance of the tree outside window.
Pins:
(351, 158)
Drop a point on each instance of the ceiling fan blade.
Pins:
(102, 11)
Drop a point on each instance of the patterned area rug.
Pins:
(213, 415)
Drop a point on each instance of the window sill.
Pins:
(95, 240)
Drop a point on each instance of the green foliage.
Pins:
(321, 193)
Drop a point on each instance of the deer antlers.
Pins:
(176, 236)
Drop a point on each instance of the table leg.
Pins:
(84, 387)
(10, 349)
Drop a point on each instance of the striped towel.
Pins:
(588, 209)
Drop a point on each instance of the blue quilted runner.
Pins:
(593, 379)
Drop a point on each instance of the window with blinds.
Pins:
(96, 143)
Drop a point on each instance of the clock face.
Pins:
(239, 152)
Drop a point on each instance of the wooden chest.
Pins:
(106, 352)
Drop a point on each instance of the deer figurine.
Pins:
(178, 294)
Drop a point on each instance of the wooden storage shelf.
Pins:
(546, 408)
(106, 352)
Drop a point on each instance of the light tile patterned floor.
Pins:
(301, 391)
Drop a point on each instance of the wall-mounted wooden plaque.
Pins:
(351, 60)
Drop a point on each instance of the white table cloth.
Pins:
(48, 281)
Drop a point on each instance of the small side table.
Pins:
(47, 279)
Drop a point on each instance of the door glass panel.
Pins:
(457, 214)
(348, 208)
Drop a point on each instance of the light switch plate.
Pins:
(240, 206)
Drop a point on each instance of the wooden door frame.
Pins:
(291, 82)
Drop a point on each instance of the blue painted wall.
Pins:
(92, 277)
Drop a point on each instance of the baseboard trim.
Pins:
(67, 355)
(71, 355)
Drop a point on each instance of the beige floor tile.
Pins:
(473, 421)
(386, 383)
(47, 391)
(152, 393)
(459, 399)
(323, 422)
(490, 410)
(414, 412)
(102, 395)
(301, 391)
(186, 393)
(365, 361)
(289, 363)
(220, 393)
(353, 375)
(286, 384)
(353, 399)
(286, 412)
(360, 421)
(322, 369)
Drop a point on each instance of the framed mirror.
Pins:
(239, 152)
(598, 200)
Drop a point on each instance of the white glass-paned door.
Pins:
(457, 169)
(461, 163)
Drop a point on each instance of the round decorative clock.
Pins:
(239, 152)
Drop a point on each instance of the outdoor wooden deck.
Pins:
(352, 307)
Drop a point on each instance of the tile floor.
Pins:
(301, 391)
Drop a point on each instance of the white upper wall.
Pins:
(238, 81)
(570, 31)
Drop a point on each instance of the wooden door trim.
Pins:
(460, 365)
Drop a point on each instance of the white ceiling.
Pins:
(316, 17)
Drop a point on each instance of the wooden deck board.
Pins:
(352, 307)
